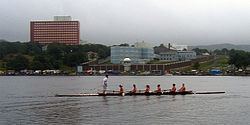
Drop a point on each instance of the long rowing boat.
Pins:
(136, 94)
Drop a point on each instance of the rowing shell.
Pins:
(137, 94)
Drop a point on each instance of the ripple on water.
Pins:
(34, 102)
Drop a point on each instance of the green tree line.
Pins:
(26, 55)
(239, 58)
(223, 51)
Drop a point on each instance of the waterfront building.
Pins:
(174, 54)
(60, 30)
(139, 53)
(162, 48)
(170, 55)
(186, 55)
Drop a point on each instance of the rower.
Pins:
(147, 90)
(134, 89)
(121, 90)
(182, 89)
(173, 89)
(158, 90)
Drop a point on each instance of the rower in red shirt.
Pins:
(147, 90)
(173, 89)
(134, 89)
(158, 90)
(183, 88)
(121, 90)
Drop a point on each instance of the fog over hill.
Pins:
(221, 46)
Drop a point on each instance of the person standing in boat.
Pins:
(134, 89)
(173, 89)
(182, 89)
(105, 84)
(147, 90)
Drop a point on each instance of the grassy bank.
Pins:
(219, 62)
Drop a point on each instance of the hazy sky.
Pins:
(187, 22)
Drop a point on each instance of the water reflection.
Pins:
(105, 100)
(173, 98)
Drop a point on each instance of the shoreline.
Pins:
(129, 75)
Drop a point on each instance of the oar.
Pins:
(218, 92)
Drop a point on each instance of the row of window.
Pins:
(55, 40)
(59, 41)
(55, 30)
(37, 39)
(55, 35)
(168, 59)
(55, 23)
(169, 55)
(186, 55)
(37, 33)
(56, 27)
(52, 25)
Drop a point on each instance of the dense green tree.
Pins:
(33, 48)
(7, 48)
(225, 51)
(54, 56)
(56, 51)
(239, 58)
(41, 62)
(74, 59)
(18, 63)
(124, 44)
(200, 51)
(196, 65)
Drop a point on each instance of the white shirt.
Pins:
(105, 81)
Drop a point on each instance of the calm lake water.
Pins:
(30, 100)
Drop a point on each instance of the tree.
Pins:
(200, 51)
(225, 51)
(196, 65)
(56, 50)
(74, 59)
(33, 48)
(18, 63)
(239, 58)
(124, 44)
(54, 57)
(217, 52)
(41, 62)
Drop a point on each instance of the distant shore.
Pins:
(237, 74)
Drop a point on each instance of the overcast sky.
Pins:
(188, 22)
